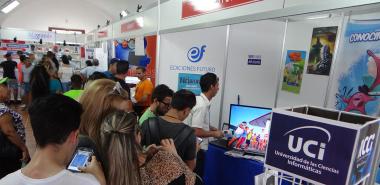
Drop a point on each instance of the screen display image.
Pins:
(250, 126)
(80, 159)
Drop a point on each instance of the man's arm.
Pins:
(199, 132)
(191, 164)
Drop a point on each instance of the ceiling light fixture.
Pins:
(319, 17)
(124, 13)
(140, 21)
(11, 5)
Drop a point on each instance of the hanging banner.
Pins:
(293, 71)
(125, 50)
(191, 8)
(356, 84)
(321, 50)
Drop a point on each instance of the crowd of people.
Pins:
(148, 138)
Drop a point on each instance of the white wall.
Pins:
(40, 14)
(256, 84)
(173, 51)
(314, 87)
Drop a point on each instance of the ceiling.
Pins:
(99, 9)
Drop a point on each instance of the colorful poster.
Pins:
(189, 82)
(191, 8)
(321, 50)
(293, 71)
(358, 75)
(125, 50)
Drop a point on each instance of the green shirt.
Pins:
(147, 114)
(74, 94)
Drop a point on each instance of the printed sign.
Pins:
(130, 26)
(195, 54)
(189, 82)
(312, 150)
(357, 79)
(254, 59)
(365, 153)
(293, 71)
(102, 34)
(191, 8)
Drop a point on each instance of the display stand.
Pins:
(321, 146)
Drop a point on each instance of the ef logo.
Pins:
(195, 54)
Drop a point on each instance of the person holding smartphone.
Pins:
(55, 121)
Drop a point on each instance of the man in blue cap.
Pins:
(111, 68)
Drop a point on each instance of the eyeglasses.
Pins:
(166, 104)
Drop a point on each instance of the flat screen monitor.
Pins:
(250, 128)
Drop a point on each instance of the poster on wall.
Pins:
(358, 76)
(125, 50)
(293, 71)
(189, 82)
(321, 50)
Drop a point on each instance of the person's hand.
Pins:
(95, 168)
(152, 149)
(218, 134)
(168, 145)
(197, 147)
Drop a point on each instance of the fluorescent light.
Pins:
(319, 17)
(140, 21)
(10, 6)
(124, 13)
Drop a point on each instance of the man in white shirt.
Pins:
(55, 121)
(199, 117)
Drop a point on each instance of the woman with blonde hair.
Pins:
(99, 99)
(125, 163)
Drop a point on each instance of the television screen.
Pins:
(250, 128)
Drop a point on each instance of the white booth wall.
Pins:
(314, 87)
(255, 84)
(173, 52)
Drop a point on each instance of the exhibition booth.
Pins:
(302, 74)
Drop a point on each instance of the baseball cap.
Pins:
(8, 54)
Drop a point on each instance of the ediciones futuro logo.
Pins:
(306, 144)
(195, 54)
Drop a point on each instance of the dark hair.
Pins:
(76, 81)
(183, 99)
(88, 63)
(53, 118)
(65, 59)
(161, 91)
(97, 75)
(95, 62)
(39, 82)
(207, 80)
(141, 68)
(22, 58)
(122, 67)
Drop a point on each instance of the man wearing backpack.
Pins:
(171, 126)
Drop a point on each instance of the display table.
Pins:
(221, 169)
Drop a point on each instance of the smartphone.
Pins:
(80, 159)
(199, 140)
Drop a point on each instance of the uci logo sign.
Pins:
(305, 145)
(195, 54)
(366, 145)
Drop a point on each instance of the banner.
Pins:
(356, 84)
(310, 149)
(191, 8)
(125, 50)
(321, 50)
(189, 82)
(293, 71)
